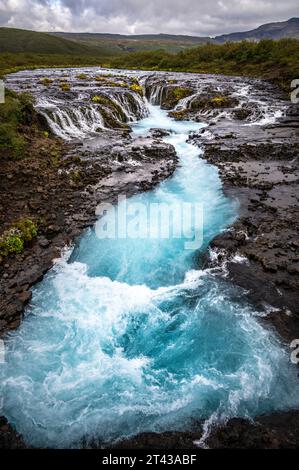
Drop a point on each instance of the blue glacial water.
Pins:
(128, 335)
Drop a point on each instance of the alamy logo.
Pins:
(151, 221)
(295, 93)
(295, 354)
(2, 92)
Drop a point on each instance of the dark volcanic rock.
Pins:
(9, 438)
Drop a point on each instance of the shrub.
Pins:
(15, 112)
(13, 240)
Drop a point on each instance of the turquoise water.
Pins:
(128, 335)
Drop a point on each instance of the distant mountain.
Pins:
(283, 29)
(120, 43)
(20, 40)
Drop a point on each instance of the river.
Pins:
(129, 335)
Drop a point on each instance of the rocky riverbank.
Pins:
(256, 149)
(63, 196)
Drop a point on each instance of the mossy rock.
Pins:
(179, 115)
(208, 101)
(82, 76)
(46, 81)
(136, 88)
(241, 114)
(172, 95)
(64, 86)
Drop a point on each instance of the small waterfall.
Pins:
(185, 103)
(156, 94)
(132, 105)
(71, 121)
(154, 90)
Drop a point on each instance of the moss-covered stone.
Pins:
(179, 115)
(172, 95)
(64, 86)
(46, 81)
(82, 76)
(136, 88)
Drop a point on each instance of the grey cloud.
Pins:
(197, 17)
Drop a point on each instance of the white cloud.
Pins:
(204, 17)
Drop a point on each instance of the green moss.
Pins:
(136, 88)
(13, 240)
(14, 113)
(82, 76)
(64, 86)
(96, 99)
(173, 95)
(76, 177)
(220, 101)
(46, 81)
(180, 92)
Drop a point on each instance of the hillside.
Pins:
(116, 44)
(23, 41)
(108, 45)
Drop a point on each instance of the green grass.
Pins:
(274, 60)
(12, 241)
(10, 63)
(19, 40)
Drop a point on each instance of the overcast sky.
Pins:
(194, 17)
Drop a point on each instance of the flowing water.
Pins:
(129, 335)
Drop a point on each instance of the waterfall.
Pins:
(154, 90)
(77, 121)
(73, 122)
(132, 105)
(185, 103)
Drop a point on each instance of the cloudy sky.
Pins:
(196, 17)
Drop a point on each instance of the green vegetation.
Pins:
(10, 63)
(174, 94)
(275, 60)
(13, 240)
(116, 44)
(136, 88)
(82, 76)
(20, 40)
(46, 81)
(65, 86)
(14, 113)
(96, 99)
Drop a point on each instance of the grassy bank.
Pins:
(274, 60)
(277, 61)
(10, 63)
